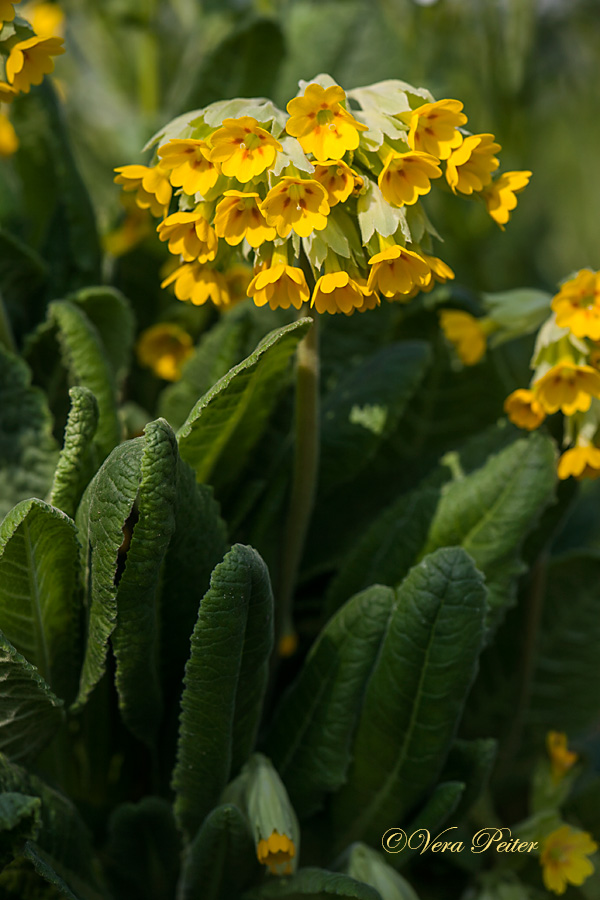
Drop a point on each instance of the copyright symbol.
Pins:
(394, 840)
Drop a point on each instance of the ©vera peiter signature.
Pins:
(500, 839)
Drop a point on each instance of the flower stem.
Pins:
(304, 483)
(6, 335)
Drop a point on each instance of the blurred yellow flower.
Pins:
(153, 190)
(407, 176)
(237, 279)
(577, 305)
(7, 12)
(198, 283)
(238, 216)
(30, 60)
(337, 292)
(164, 348)
(523, 409)
(466, 333)
(338, 179)
(276, 852)
(470, 166)
(7, 92)
(280, 285)
(47, 19)
(321, 124)
(500, 196)
(564, 858)
(568, 387)
(562, 759)
(298, 204)
(190, 236)
(188, 162)
(582, 461)
(136, 225)
(9, 142)
(243, 149)
(397, 271)
(433, 127)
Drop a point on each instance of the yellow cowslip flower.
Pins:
(190, 236)
(7, 12)
(396, 271)
(440, 272)
(30, 60)
(500, 195)
(407, 176)
(469, 168)
(562, 759)
(276, 852)
(243, 149)
(582, 461)
(238, 216)
(577, 305)
(322, 125)
(433, 127)
(153, 190)
(466, 333)
(568, 387)
(189, 165)
(337, 292)
(564, 858)
(164, 348)
(296, 204)
(9, 142)
(198, 283)
(279, 285)
(338, 179)
(47, 19)
(7, 92)
(524, 409)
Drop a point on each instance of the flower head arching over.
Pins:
(329, 194)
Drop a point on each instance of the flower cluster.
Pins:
(325, 202)
(27, 51)
(566, 375)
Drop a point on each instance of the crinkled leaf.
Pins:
(88, 365)
(221, 860)
(103, 512)
(20, 819)
(76, 462)
(312, 734)
(39, 591)
(225, 680)
(28, 451)
(30, 713)
(110, 312)
(317, 883)
(135, 639)
(225, 424)
(415, 695)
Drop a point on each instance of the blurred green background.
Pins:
(526, 70)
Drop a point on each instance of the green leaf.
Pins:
(414, 698)
(76, 462)
(491, 511)
(105, 508)
(22, 276)
(198, 544)
(443, 803)
(386, 550)
(316, 883)
(143, 848)
(45, 868)
(30, 713)
(221, 860)
(310, 741)
(224, 426)
(135, 638)
(20, 819)
(63, 839)
(39, 591)
(87, 363)
(110, 313)
(28, 451)
(470, 762)
(368, 866)
(225, 681)
(365, 406)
